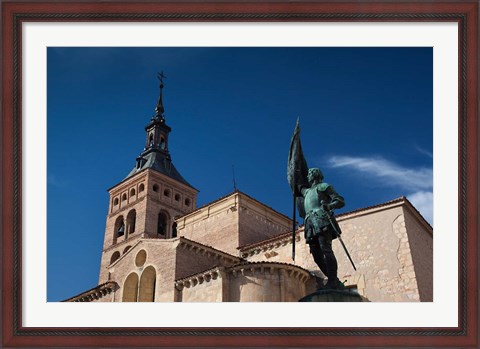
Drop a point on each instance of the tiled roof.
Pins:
(159, 162)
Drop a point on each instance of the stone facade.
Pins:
(245, 282)
(391, 245)
(137, 203)
(393, 263)
(232, 221)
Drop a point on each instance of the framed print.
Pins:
(68, 74)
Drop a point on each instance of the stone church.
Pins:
(160, 247)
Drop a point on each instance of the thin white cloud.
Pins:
(377, 170)
(423, 202)
(424, 151)
(56, 182)
(385, 172)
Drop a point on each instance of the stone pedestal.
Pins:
(329, 295)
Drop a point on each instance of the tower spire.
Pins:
(159, 109)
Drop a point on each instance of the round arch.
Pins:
(119, 229)
(147, 285)
(131, 219)
(163, 224)
(130, 288)
(114, 257)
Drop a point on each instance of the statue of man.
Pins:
(319, 199)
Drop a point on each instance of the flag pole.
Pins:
(294, 217)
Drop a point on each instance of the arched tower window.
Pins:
(141, 188)
(162, 224)
(147, 285)
(174, 230)
(130, 288)
(131, 218)
(150, 140)
(119, 229)
(115, 256)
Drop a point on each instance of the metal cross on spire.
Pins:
(159, 110)
(161, 76)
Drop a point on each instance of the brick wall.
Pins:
(231, 222)
(215, 225)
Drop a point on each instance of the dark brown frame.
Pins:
(465, 13)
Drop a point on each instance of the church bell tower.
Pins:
(146, 202)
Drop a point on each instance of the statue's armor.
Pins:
(317, 221)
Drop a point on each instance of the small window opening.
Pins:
(141, 188)
(155, 187)
(132, 192)
(162, 224)
(115, 256)
(166, 192)
(124, 197)
(177, 197)
(174, 230)
(121, 230)
(115, 202)
(131, 218)
(187, 202)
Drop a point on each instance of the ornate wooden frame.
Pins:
(465, 13)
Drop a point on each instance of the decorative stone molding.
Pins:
(95, 293)
(244, 269)
(192, 281)
(269, 245)
(259, 268)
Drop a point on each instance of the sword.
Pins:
(332, 223)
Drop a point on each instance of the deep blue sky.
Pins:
(365, 115)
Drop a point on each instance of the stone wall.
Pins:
(379, 246)
(215, 225)
(420, 244)
(251, 282)
(204, 287)
(119, 250)
(232, 221)
(193, 258)
(159, 254)
(258, 222)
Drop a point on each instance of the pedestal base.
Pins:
(331, 295)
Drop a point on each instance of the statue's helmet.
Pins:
(315, 173)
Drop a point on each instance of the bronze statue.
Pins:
(320, 228)
(315, 201)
